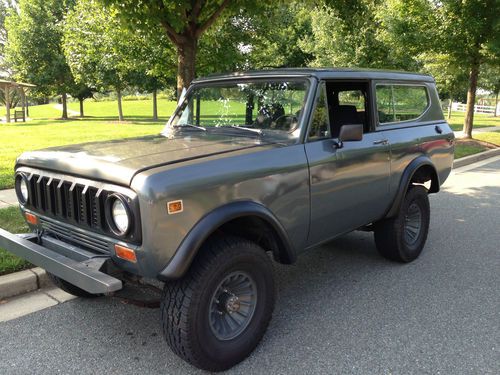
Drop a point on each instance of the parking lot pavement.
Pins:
(341, 309)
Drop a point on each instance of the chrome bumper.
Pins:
(70, 263)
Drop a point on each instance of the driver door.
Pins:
(349, 185)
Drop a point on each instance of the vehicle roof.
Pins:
(322, 73)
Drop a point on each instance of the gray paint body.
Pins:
(315, 190)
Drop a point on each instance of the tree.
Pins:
(34, 46)
(451, 77)
(275, 40)
(81, 92)
(151, 59)
(468, 28)
(183, 22)
(354, 33)
(96, 48)
(466, 31)
(103, 52)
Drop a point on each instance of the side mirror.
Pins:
(352, 132)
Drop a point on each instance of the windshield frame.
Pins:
(308, 97)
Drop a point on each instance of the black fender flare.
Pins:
(408, 174)
(208, 224)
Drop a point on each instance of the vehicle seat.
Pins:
(344, 115)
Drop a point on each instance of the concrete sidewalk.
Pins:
(8, 198)
(459, 133)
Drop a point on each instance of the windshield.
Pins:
(270, 108)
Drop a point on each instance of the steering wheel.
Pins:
(286, 122)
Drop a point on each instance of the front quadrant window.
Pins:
(397, 103)
(320, 125)
(275, 107)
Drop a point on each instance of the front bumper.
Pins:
(72, 264)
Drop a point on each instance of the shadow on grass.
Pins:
(131, 120)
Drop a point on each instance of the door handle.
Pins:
(438, 129)
(381, 142)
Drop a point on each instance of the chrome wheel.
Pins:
(232, 305)
(413, 224)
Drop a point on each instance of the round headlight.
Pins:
(120, 216)
(22, 189)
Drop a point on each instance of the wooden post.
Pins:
(7, 103)
(23, 103)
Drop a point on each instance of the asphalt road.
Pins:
(341, 309)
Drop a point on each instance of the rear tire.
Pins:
(216, 315)
(70, 288)
(402, 238)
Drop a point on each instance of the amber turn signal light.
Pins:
(174, 207)
(30, 218)
(125, 253)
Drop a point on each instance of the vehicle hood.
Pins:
(118, 161)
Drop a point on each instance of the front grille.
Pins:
(67, 234)
(79, 202)
(74, 203)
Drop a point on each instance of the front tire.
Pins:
(216, 315)
(403, 237)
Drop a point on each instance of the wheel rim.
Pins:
(232, 305)
(413, 224)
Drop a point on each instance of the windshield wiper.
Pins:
(247, 130)
(190, 126)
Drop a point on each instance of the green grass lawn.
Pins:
(462, 150)
(100, 123)
(11, 220)
(481, 142)
(480, 120)
(490, 137)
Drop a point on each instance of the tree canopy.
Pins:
(34, 46)
(80, 46)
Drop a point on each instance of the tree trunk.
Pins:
(81, 107)
(471, 100)
(155, 106)
(65, 106)
(119, 97)
(496, 105)
(186, 62)
(449, 108)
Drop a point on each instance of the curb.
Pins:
(22, 282)
(466, 160)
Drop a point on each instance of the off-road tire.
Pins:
(390, 233)
(70, 288)
(185, 304)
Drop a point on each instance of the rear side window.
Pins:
(396, 103)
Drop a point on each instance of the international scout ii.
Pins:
(252, 167)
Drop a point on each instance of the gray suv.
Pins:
(252, 167)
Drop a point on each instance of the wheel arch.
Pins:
(245, 219)
(419, 171)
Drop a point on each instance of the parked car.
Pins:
(251, 168)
